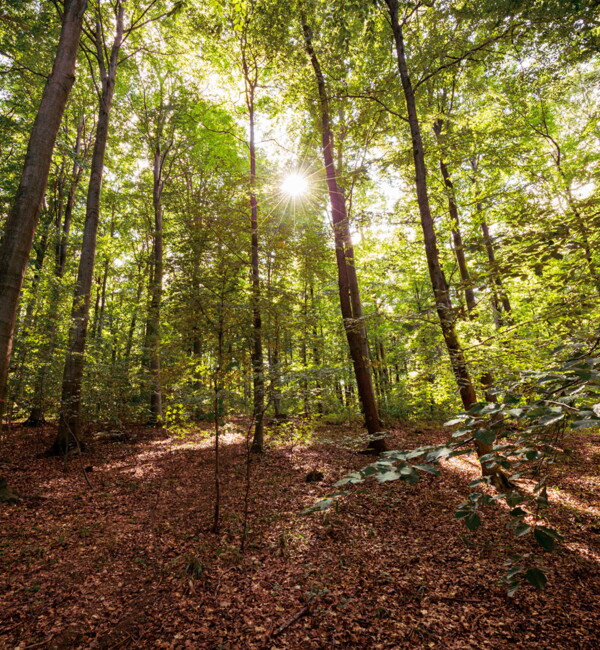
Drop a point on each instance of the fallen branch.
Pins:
(284, 626)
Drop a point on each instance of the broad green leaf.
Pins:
(536, 577)
(485, 436)
(543, 539)
(473, 521)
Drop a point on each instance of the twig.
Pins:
(41, 643)
(85, 474)
(284, 626)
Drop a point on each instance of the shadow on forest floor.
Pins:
(132, 563)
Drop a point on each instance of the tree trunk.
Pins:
(69, 422)
(457, 240)
(500, 298)
(436, 274)
(22, 220)
(36, 417)
(350, 302)
(502, 302)
(156, 288)
(258, 376)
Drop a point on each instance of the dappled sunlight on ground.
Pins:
(132, 562)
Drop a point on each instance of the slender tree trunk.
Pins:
(316, 354)
(217, 400)
(500, 298)
(100, 307)
(156, 288)
(436, 274)
(36, 417)
(258, 375)
(502, 301)
(459, 250)
(350, 302)
(22, 220)
(69, 421)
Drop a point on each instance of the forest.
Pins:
(299, 341)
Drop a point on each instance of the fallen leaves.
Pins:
(132, 563)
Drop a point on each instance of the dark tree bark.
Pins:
(156, 287)
(22, 220)
(438, 281)
(501, 302)
(459, 250)
(350, 302)
(36, 417)
(258, 371)
(69, 422)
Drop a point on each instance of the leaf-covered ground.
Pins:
(132, 563)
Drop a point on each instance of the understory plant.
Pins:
(526, 425)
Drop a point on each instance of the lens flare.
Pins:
(294, 185)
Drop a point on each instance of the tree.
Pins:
(349, 292)
(20, 227)
(443, 302)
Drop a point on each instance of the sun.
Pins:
(294, 185)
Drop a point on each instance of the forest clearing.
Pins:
(299, 307)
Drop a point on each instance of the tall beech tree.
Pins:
(457, 238)
(443, 303)
(64, 217)
(156, 121)
(20, 227)
(349, 292)
(251, 69)
(107, 61)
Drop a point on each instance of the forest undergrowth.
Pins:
(131, 561)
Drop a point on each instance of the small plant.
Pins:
(194, 567)
(526, 430)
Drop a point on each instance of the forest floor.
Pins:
(131, 562)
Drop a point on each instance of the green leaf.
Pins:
(515, 413)
(485, 436)
(547, 420)
(536, 577)
(460, 433)
(544, 540)
(584, 424)
(319, 506)
(451, 423)
(521, 529)
(473, 521)
(514, 498)
(476, 482)
(391, 475)
(352, 478)
(513, 588)
(511, 573)
(430, 469)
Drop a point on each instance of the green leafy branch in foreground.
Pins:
(526, 430)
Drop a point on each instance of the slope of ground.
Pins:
(131, 562)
